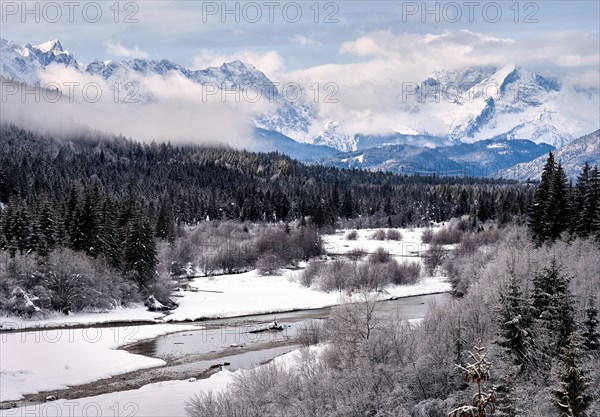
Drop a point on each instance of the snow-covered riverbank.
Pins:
(249, 293)
(44, 360)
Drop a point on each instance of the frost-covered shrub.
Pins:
(404, 273)
(65, 281)
(269, 264)
(21, 303)
(336, 275)
(352, 235)
(310, 333)
(356, 254)
(379, 234)
(393, 234)
(447, 236)
(380, 255)
(77, 282)
(310, 273)
(427, 236)
(433, 257)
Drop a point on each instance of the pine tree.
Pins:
(86, 225)
(538, 224)
(591, 338)
(44, 233)
(165, 226)
(110, 237)
(557, 208)
(580, 227)
(571, 399)
(347, 210)
(70, 211)
(508, 398)
(591, 206)
(459, 345)
(552, 305)
(515, 325)
(139, 255)
(546, 283)
(563, 321)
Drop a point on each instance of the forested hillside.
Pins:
(220, 183)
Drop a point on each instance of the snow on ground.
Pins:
(53, 359)
(160, 399)
(407, 248)
(118, 315)
(166, 398)
(249, 293)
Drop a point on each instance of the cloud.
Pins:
(369, 90)
(182, 111)
(305, 40)
(269, 62)
(117, 49)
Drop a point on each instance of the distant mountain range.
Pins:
(519, 110)
(483, 158)
(572, 156)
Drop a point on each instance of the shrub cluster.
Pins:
(379, 270)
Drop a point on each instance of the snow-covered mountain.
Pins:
(468, 105)
(399, 159)
(23, 63)
(482, 158)
(484, 102)
(572, 156)
(231, 76)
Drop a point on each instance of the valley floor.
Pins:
(52, 358)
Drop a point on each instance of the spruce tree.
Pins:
(515, 325)
(44, 233)
(538, 223)
(557, 208)
(165, 226)
(580, 227)
(591, 206)
(139, 255)
(552, 304)
(110, 238)
(571, 398)
(548, 285)
(86, 225)
(591, 338)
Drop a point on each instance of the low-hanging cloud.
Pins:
(180, 111)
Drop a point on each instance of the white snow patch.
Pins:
(54, 359)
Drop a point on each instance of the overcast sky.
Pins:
(286, 37)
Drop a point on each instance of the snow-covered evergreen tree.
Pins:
(591, 337)
(515, 325)
(571, 398)
(538, 224)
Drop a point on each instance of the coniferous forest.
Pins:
(93, 223)
(111, 200)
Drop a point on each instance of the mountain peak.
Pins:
(238, 66)
(52, 45)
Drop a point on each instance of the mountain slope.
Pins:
(467, 105)
(23, 63)
(572, 156)
(271, 141)
(486, 157)
(399, 159)
(482, 158)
